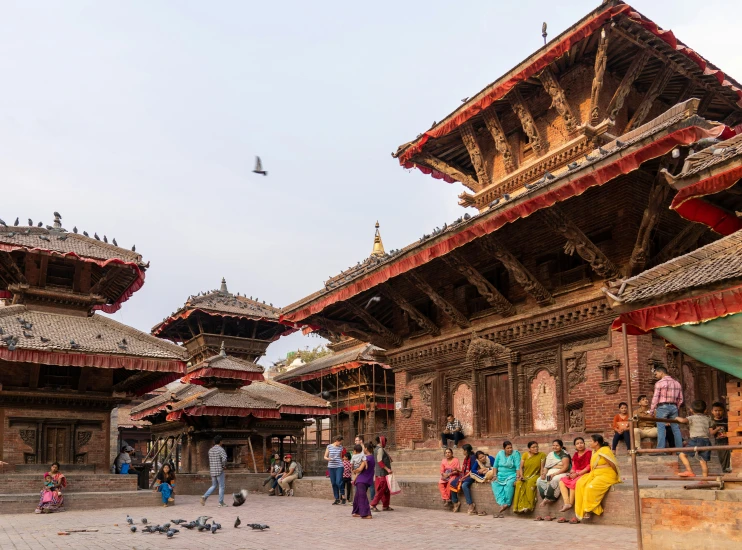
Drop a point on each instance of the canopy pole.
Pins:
(632, 451)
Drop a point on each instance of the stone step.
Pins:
(19, 503)
(15, 483)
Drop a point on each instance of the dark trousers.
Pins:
(142, 477)
(725, 457)
(466, 489)
(456, 436)
(626, 436)
(347, 484)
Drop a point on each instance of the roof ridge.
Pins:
(159, 342)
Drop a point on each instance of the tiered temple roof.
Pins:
(362, 354)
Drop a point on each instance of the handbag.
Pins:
(394, 487)
(124, 468)
(455, 484)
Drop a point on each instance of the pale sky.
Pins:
(140, 120)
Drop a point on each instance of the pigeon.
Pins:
(620, 143)
(177, 521)
(465, 100)
(237, 522)
(133, 528)
(97, 238)
(62, 238)
(49, 228)
(40, 224)
(548, 176)
(11, 345)
(258, 526)
(213, 529)
(148, 529)
(57, 215)
(105, 239)
(27, 232)
(30, 222)
(3, 223)
(529, 185)
(45, 340)
(74, 229)
(11, 234)
(373, 300)
(602, 151)
(123, 341)
(133, 248)
(27, 335)
(16, 222)
(467, 216)
(494, 203)
(573, 165)
(201, 520)
(44, 238)
(506, 197)
(170, 534)
(218, 525)
(190, 525)
(589, 158)
(114, 242)
(543, 31)
(144, 520)
(75, 345)
(166, 526)
(128, 518)
(259, 167)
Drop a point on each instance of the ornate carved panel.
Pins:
(576, 416)
(29, 437)
(426, 393)
(463, 407)
(481, 349)
(544, 402)
(609, 366)
(576, 367)
(83, 437)
(430, 430)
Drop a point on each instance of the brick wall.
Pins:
(676, 518)
(734, 400)
(13, 484)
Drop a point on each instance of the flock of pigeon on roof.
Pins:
(215, 297)
(56, 230)
(11, 340)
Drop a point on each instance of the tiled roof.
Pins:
(95, 334)
(216, 397)
(182, 392)
(364, 353)
(123, 414)
(711, 156)
(283, 395)
(61, 242)
(227, 362)
(716, 262)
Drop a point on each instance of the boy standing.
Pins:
(700, 427)
(719, 431)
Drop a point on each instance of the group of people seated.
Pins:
(283, 473)
(519, 478)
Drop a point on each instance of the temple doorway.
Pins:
(57, 444)
(498, 403)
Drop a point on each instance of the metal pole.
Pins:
(688, 449)
(386, 398)
(632, 451)
(373, 396)
(337, 399)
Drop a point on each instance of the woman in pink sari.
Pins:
(580, 467)
(53, 500)
(450, 472)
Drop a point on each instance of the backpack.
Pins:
(299, 471)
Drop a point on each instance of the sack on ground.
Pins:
(394, 487)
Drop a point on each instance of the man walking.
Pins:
(454, 430)
(382, 469)
(217, 461)
(668, 396)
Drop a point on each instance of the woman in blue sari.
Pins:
(506, 467)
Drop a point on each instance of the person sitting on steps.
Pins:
(621, 428)
(644, 429)
(454, 430)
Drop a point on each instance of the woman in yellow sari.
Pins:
(531, 466)
(592, 487)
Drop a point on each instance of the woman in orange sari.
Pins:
(53, 501)
(450, 471)
(592, 487)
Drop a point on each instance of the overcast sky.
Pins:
(140, 120)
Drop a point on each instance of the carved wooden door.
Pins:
(57, 444)
(498, 403)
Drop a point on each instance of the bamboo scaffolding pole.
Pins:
(632, 452)
(689, 449)
(638, 418)
(697, 478)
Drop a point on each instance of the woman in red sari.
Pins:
(580, 467)
(53, 501)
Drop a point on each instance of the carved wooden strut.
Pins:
(498, 135)
(657, 196)
(373, 323)
(483, 286)
(469, 137)
(655, 90)
(635, 69)
(680, 243)
(578, 242)
(422, 320)
(601, 61)
(523, 277)
(441, 303)
(435, 163)
(350, 328)
(526, 120)
(558, 99)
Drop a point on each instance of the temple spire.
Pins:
(223, 350)
(223, 288)
(378, 249)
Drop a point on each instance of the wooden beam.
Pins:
(733, 119)
(435, 163)
(523, 277)
(601, 61)
(7, 262)
(558, 99)
(469, 137)
(34, 370)
(705, 103)
(526, 120)
(633, 72)
(657, 196)
(422, 320)
(441, 303)
(578, 242)
(680, 243)
(655, 90)
(98, 287)
(686, 92)
(341, 326)
(373, 323)
(483, 286)
(498, 135)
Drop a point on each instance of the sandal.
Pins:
(562, 520)
(574, 521)
(387, 509)
(538, 518)
(482, 514)
(549, 518)
(374, 509)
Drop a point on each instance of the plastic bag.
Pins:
(394, 487)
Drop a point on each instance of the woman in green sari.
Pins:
(531, 466)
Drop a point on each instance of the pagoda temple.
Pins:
(499, 316)
(64, 367)
(223, 391)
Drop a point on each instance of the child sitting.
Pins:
(700, 428)
(621, 427)
(719, 431)
(48, 483)
(347, 474)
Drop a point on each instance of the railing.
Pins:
(164, 451)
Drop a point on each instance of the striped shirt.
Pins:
(336, 456)
(217, 460)
(667, 390)
(454, 426)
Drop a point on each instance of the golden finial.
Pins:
(378, 249)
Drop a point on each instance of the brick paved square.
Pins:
(304, 523)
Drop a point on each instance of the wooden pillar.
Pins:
(474, 396)
(513, 382)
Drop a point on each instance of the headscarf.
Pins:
(382, 440)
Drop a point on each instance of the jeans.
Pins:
(336, 479)
(217, 481)
(626, 436)
(456, 436)
(466, 489)
(670, 412)
(372, 493)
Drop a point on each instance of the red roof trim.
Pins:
(93, 360)
(185, 313)
(206, 410)
(309, 411)
(554, 52)
(479, 228)
(332, 370)
(363, 407)
(214, 372)
(106, 308)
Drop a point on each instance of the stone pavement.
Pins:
(297, 523)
